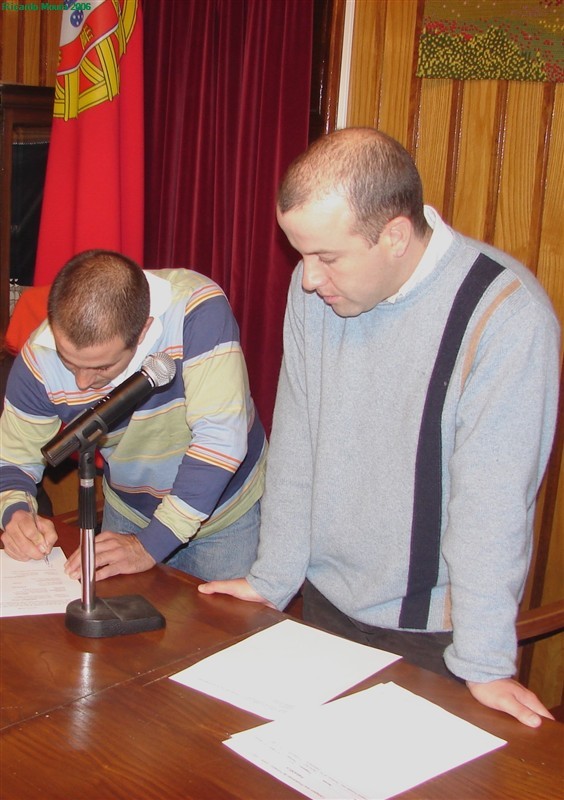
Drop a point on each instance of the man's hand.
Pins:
(238, 587)
(116, 554)
(513, 698)
(24, 540)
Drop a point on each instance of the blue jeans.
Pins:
(229, 553)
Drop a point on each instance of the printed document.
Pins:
(284, 667)
(35, 587)
(370, 745)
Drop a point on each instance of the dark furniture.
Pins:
(26, 114)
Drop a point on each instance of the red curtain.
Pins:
(227, 88)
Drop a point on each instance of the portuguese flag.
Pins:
(93, 194)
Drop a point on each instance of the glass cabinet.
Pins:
(26, 114)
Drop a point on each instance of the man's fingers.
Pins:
(215, 587)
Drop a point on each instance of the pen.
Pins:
(33, 513)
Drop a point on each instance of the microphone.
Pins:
(84, 431)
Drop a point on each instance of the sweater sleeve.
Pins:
(28, 421)
(505, 425)
(284, 546)
(217, 413)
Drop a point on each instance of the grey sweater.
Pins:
(407, 450)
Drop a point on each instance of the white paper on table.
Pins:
(284, 667)
(34, 587)
(368, 746)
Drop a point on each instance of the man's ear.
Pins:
(398, 233)
(145, 329)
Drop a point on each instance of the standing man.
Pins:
(183, 475)
(414, 419)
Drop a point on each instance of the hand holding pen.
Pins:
(28, 536)
(33, 513)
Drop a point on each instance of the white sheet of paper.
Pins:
(369, 745)
(34, 587)
(284, 667)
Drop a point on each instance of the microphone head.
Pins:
(159, 368)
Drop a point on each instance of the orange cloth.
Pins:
(29, 312)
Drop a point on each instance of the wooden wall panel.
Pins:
(550, 270)
(520, 173)
(436, 103)
(397, 69)
(50, 47)
(29, 46)
(9, 46)
(491, 156)
(477, 159)
(30, 43)
(366, 67)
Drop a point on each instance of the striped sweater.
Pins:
(190, 460)
(406, 452)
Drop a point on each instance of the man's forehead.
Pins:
(323, 220)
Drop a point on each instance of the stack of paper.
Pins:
(372, 744)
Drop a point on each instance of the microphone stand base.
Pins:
(113, 616)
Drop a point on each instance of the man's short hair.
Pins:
(371, 170)
(99, 295)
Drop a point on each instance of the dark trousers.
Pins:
(424, 649)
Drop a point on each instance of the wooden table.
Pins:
(96, 718)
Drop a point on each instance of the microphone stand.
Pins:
(109, 616)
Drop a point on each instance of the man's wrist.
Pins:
(158, 540)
